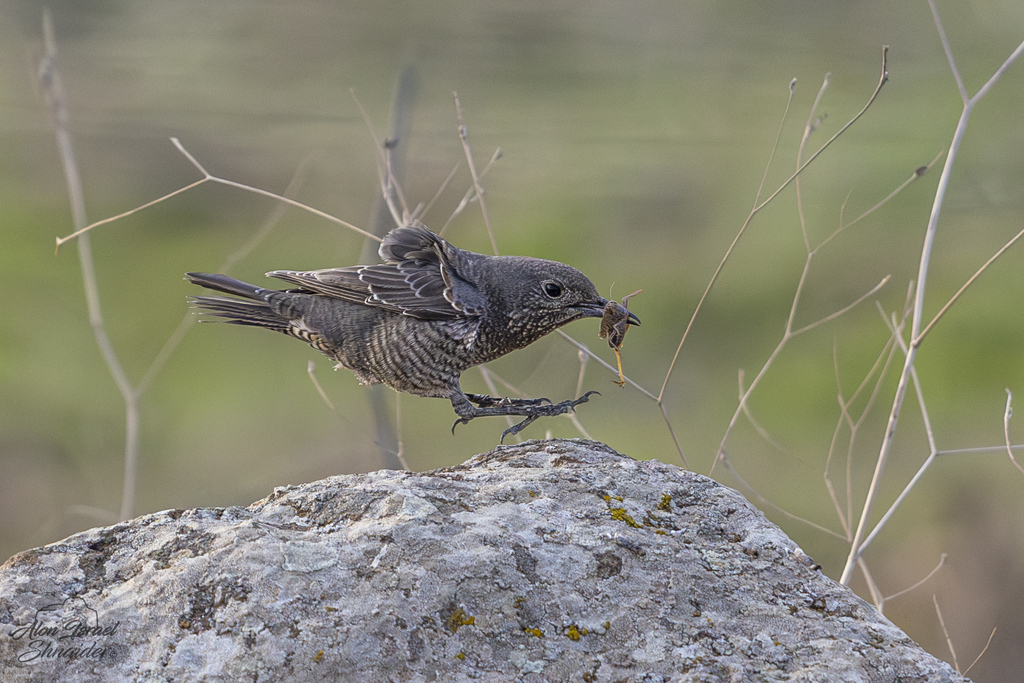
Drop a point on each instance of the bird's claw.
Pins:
(549, 410)
(517, 427)
(460, 421)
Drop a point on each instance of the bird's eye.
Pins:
(552, 289)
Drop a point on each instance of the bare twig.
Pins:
(470, 194)
(764, 501)
(790, 332)
(983, 651)
(876, 593)
(208, 177)
(778, 139)
(188, 320)
(809, 127)
(787, 335)
(1006, 430)
(918, 172)
(845, 309)
(464, 137)
(583, 348)
(81, 231)
(383, 165)
(400, 453)
(437, 195)
(758, 427)
(714, 277)
(881, 604)
(311, 371)
(949, 52)
(945, 632)
(916, 335)
(979, 450)
(933, 452)
(583, 358)
(879, 371)
(963, 288)
(49, 78)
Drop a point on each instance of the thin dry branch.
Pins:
(189, 319)
(918, 172)
(49, 78)
(311, 371)
(603, 363)
(400, 453)
(583, 358)
(881, 605)
(764, 501)
(878, 371)
(787, 335)
(775, 146)
(1006, 430)
(437, 195)
(383, 164)
(758, 427)
(983, 651)
(393, 188)
(942, 311)
(112, 219)
(470, 194)
(714, 277)
(932, 448)
(876, 593)
(209, 177)
(464, 138)
(916, 336)
(945, 632)
(844, 310)
(948, 50)
(809, 127)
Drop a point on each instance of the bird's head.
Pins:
(539, 296)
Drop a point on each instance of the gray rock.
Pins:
(546, 561)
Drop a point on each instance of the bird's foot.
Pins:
(549, 410)
(530, 408)
(485, 401)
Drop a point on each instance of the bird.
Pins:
(421, 318)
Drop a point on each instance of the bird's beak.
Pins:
(593, 310)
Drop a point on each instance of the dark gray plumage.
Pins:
(421, 318)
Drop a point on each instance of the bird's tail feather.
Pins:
(256, 312)
(228, 285)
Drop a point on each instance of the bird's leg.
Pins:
(530, 408)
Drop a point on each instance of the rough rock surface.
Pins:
(546, 561)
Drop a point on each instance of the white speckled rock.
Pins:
(546, 561)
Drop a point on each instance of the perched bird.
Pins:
(421, 318)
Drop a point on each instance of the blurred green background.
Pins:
(634, 138)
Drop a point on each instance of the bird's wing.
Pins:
(337, 283)
(419, 278)
(412, 243)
